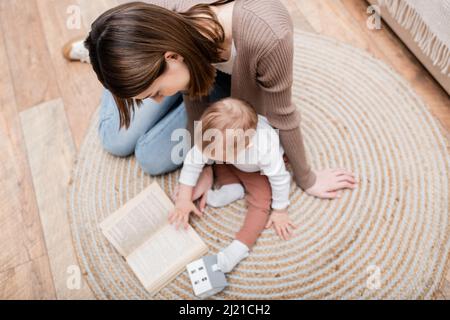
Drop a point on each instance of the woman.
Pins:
(163, 55)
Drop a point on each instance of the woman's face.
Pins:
(174, 79)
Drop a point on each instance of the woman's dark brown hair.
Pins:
(127, 47)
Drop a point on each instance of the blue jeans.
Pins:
(149, 136)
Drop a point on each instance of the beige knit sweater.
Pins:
(262, 72)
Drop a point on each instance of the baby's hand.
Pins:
(180, 214)
(282, 223)
(183, 207)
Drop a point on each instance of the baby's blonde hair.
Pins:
(228, 114)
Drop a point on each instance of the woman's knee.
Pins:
(155, 168)
(158, 156)
(122, 141)
(114, 143)
(117, 148)
(111, 138)
(161, 151)
(153, 159)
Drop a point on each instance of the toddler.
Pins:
(248, 159)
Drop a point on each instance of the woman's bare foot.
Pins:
(75, 50)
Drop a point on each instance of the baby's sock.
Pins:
(225, 195)
(228, 258)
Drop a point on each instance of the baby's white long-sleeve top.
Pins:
(264, 154)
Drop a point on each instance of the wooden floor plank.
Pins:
(24, 267)
(399, 57)
(298, 18)
(27, 281)
(92, 9)
(78, 84)
(51, 154)
(29, 60)
(345, 20)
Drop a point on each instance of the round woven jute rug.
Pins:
(387, 239)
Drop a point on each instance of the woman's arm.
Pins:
(292, 142)
(275, 76)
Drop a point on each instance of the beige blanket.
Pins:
(429, 23)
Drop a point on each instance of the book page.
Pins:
(165, 255)
(139, 219)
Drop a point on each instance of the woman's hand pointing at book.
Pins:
(183, 208)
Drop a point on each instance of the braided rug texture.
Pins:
(388, 239)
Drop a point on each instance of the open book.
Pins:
(154, 249)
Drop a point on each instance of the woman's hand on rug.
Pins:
(281, 223)
(204, 184)
(329, 183)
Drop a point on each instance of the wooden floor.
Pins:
(45, 107)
